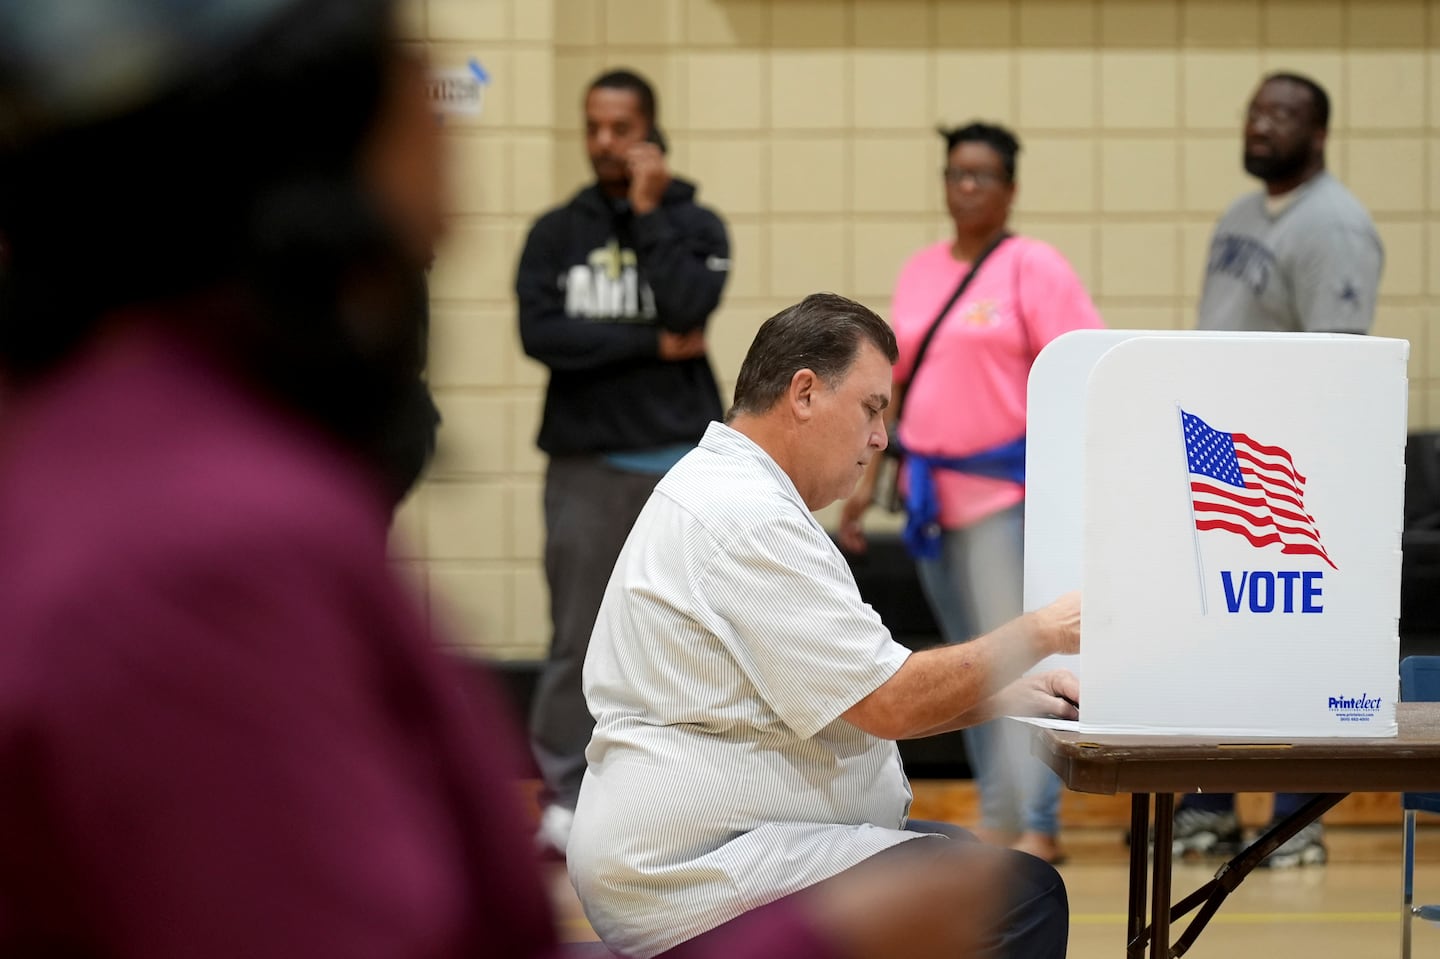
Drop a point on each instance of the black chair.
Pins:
(1419, 682)
(1420, 547)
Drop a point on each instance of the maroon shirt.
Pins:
(224, 731)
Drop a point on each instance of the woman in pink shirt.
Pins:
(962, 426)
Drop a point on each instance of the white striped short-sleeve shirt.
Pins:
(731, 638)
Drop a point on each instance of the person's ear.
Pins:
(801, 394)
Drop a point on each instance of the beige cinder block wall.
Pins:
(809, 124)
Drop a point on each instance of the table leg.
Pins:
(1210, 896)
(1160, 881)
(1139, 882)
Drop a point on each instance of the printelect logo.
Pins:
(1354, 709)
(1359, 702)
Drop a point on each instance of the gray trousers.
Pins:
(589, 509)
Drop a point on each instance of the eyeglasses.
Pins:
(955, 176)
(1275, 115)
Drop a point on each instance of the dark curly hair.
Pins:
(996, 137)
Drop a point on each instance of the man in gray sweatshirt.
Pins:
(1299, 256)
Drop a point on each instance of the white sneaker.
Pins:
(554, 832)
(1206, 833)
(1305, 848)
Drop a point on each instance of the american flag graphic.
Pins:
(1249, 489)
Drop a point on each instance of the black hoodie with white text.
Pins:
(596, 284)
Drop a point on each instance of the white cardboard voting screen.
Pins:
(1231, 506)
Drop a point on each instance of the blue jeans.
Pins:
(974, 586)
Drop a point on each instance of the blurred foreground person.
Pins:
(223, 730)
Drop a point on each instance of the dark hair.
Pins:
(636, 84)
(238, 188)
(1319, 99)
(996, 137)
(822, 333)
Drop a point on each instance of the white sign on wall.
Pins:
(459, 92)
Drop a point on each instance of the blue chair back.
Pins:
(1420, 683)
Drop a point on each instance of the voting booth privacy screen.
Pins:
(1231, 506)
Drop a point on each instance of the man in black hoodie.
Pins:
(615, 289)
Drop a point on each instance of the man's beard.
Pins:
(1277, 166)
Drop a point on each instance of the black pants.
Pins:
(1285, 803)
(1034, 919)
(1035, 913)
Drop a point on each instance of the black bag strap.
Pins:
(1018, 299)
(944, 310)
